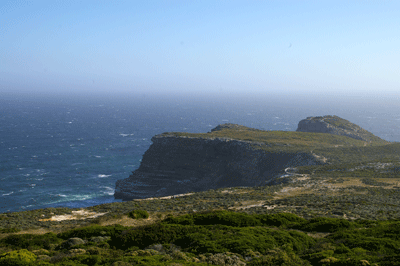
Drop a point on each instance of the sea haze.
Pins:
(60, 151)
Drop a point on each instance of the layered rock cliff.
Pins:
(179, 164)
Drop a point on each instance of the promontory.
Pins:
(232, 155)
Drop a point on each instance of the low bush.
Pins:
(138, 214)
(93, 230)
(212, 238)
(17, 258)
(235, 219)
(324, 224)
(30, 241)
(9, 230)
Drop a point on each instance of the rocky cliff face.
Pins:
(174, 165)
(335, 125)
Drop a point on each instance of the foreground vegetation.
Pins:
(217, 238)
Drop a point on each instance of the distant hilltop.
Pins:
(335, 125)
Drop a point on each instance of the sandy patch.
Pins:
(167, 197)
(76, 215)
(234, 192)
(304, 177)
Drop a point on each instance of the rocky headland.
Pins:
(335, 125)
(229, 156)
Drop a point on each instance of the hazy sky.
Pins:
(289, 47)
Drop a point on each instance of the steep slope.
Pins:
(174, 165)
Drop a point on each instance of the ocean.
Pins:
(69, 151)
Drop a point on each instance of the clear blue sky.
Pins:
(318, 47)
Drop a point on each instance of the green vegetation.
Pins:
(138, 214)
(218, 238)
(17, 257)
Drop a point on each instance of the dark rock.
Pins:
(176, 165)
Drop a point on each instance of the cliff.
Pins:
(179, 164)
(233, 155)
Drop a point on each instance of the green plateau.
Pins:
(345, 210)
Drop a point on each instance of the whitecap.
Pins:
(125, 135)
(109, 191)
(97, 156)
(102, 176)
(8, 193)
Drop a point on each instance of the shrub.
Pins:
(138, 214)
(9, 230)
(29, 240)
(216, 217)
(17, 257)
(212, 238)
(280, 219)
(93, 230)
(323, 224)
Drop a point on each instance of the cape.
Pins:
(232, 155)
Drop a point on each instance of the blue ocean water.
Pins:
(66, 151)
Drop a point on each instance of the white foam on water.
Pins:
(98, 156)
(103, 176)
(8, 193)
(125, 135)
(109, 191)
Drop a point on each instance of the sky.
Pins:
(201, 47)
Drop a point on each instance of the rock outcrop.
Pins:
(333, 124)
(180, 164)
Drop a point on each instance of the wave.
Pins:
(125, 135)
(103, 176)
(109, 191)
(8, 193)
